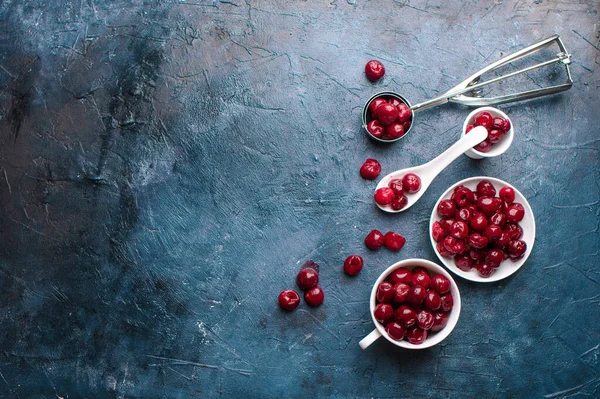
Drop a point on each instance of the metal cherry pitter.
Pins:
(468, 91)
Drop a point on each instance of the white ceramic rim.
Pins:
(439, 336)
(508, 267)
(498, 148)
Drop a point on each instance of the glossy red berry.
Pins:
(478, 241)
(447, 302)
(387, 114)
(399, 202)
(374, 127)
(501, 123)
(485, 270)
(374, 70)
(478, 222)
(374, 240)
(289, 299)
(432, 300)
(385, 292)
(411, 183)
(514, 213)
(515, 231)
(494, 258)
(493, 232)
(405, 315)
(396, 186)
(462, 196)
(370, 169)
(401, 275)
(516, 249)
(486, 189)
(404, 114)
(425, 319)
(463, 262)
(464, 214)
(507, 194)
(437, 232)
(459, 230)
(353, 265)
(495, 135)
(502, 241)
(314, 297)
(395, 331)
(447, 225)
(374, 104)
(446, 208)
(421, 278)
(394, 131)
(484, 119)
(498, 219)
(484, 146)
(454, 245)
(307, 278)
(488, 205)
(416, 295)
(440, 283)
(440, 320)
(416, 335)
(383, 196)
(383, 313)
(401, 292)
(441, 249)
(394, 241)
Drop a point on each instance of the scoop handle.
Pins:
(468, 141)
(369, 339)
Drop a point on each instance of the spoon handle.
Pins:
(468, 141)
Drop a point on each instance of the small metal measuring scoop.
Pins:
(472, 83)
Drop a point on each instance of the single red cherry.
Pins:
(465, 214)
(421, 278)
(440, 320)
(374, 70)
(493, 232)
(416, 295)
(395, 330)
(307, 278)
(387, 114)
(425, 319)
(370, 169)
(442, 250)
(447, 302)
(494, 258)
(463, 262)
(495, 135)
(405, 315)
(502, 241)
(488, 205)
(484, 146)
(383, 313)
(459, 230)
(484, 119)
(516, 249)
(462, 196)
(440, 283)
(514, 213)
(432, 300)
(447, 225)
(446, 208)
(401, 275)
(411, 183)
(289, 299)
(353, 265)
(498, 219)
(401, 291)
(383, 196)
(514, 230)
(399, 202)
(396, 186)
(501, 123)
(416, 335)
(404, 114)
(478, 241)
(485, 270)
(437, 232)
(486, 189)
(374, 240)
(478, 222)
(374, 104)
(394, 241)
(314, 297)
(385, 292)
(374, 127)
(454, 245)
(394, 131)
(507, 194)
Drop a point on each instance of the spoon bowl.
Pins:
(427, 172)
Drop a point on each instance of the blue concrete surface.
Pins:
(168, 165)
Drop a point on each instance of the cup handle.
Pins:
(369, 339)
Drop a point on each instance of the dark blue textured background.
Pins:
(166, 166)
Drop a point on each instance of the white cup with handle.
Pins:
(432, 339)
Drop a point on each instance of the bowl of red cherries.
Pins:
(414, 304)
(500, 132)
(387, 117)
(482, 229)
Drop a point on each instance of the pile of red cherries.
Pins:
(394, 195)
(412, 303)
(479, 229)
(497, 127)
(389, 118)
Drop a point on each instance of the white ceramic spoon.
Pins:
(427, 172)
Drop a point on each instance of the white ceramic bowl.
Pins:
(498, 148)
(508, 267)
(434, 338)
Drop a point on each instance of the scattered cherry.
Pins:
(394, 241)
(374, 70)
(353, 265)
(370, 169)
(289, 299)
(374, 240)
(307, 278)
(314, 297)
